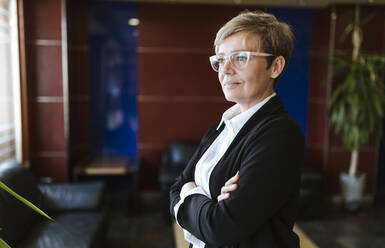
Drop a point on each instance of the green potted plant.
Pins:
(3, 244)
(356, 107)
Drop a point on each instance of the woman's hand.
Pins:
(228, 187)
(187, 187)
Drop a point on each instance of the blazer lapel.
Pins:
(274, 105)
(206, 144)
(211, 139)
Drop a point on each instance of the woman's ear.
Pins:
(277, 66)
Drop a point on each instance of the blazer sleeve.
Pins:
(269, 178)
(188, 173)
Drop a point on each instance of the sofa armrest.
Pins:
(71, 196)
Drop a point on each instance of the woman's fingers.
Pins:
(229, 186)
(222, 197)
(233, 179)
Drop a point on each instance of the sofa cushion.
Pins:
(72, 197)
(15, 217)
(75, 230)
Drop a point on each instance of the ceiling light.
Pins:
(133, 22)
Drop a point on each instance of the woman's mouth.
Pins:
(230, 84)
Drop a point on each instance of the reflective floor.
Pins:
(340, 229)
(336, 228)
(144, 227)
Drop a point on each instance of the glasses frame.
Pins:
(231, 56)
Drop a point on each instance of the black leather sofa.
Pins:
(76, 208)
(175, 158)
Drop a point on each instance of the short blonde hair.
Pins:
(275, 37)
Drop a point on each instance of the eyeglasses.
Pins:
(239, 59)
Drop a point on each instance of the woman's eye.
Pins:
(221, 61)
(241, 58)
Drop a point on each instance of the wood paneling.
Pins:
(42, 20)
(47, 127)
(50, 165)
(168, 73)
(79, 103)
(317, 122)
(182, 25)
(166, 122)
(44, 70)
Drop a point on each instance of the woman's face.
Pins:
(249, 85)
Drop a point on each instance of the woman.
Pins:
(241, 187)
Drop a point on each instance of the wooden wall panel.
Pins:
(182, 25)
(164, 122)
(42, 20)
(45, 69)
(52, 165)
(79, 97)
(171, 73)
(317, 125)
(318, 91)
(47, 127)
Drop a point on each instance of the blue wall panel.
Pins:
(113, 78)
(293, 86)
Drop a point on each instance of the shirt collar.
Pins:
(235, 119)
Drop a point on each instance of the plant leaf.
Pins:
(3, 244)
(368, 19)
(23, 200)
(347, 30)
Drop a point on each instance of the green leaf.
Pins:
(355, 101)
(367, 19)
(378, 106)
(23, 200)
(341, 116)
(347, 30)
(3, 244)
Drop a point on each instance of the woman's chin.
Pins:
(230, 98)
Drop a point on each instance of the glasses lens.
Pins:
(214, 63)
(240, 59)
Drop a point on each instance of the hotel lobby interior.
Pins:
(103, 103)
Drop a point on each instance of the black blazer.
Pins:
(268, 152)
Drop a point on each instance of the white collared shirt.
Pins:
(234, 120)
